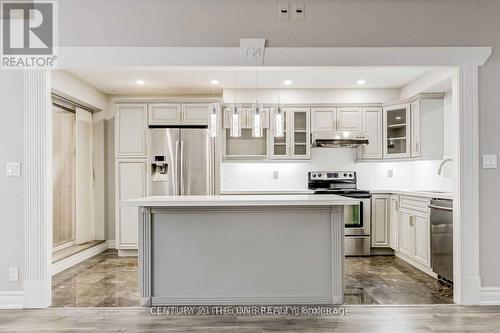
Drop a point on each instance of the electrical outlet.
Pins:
(14, 274)
(490, 161)
(13, 169)
(299, 11)
(390, 173)
(275, 175)
(284, 11)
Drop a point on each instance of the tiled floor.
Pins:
(109, 280)
(103, 280)
(390, 280)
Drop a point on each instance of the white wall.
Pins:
(11, 188)
(408, 175)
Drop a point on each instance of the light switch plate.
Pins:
(299, 11)
(14, 274)
(490, 161)
(284, 11)
(390, 173)
(13, 169)
(275, 175)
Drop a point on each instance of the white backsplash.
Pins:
(407, 175)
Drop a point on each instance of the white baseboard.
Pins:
(111, 244)
(490, 296)
(78, 258)
(11, 299)
(416, 264)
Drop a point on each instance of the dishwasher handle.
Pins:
(441, 207)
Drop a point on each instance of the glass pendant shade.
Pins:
(279, 123)
(257, 130)
(235, 122)
(213, 121)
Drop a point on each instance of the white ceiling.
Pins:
(196, 80)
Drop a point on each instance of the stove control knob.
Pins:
(314, 176)
(350, 175)
(345, 174)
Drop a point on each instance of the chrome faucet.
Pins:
(440, 170)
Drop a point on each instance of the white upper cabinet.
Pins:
(428, 128)
(296, 142)
(349, 119)
(397, 131)
(415, 129)
(336, 119)
(323, 119)
(195, 114)
(372, 126)
(172, 114)
(164, 114)
(130, 130)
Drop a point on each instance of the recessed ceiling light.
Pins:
(361, 82)
(398, 118)
(287, 82)
(214, 82)
(140, 82)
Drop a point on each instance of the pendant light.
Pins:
(235, 130)
(213, 111)
(257, 131)
(279, 119)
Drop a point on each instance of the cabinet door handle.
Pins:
(416, 146)
(412, 221)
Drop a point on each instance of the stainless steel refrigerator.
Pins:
(182, 161)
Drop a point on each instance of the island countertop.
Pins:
(242, 200)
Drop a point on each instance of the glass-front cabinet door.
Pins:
(295, 142)
(300, 133)
(397, 131)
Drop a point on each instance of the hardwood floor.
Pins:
(422, 319)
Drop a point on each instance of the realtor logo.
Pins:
(28, 33)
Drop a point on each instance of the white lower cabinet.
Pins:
(380, 227)
(422, 239)
(131, 184)
(414, 232)
(394, 216)
(407, 234)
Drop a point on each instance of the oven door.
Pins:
(357, 218)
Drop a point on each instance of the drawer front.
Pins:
(415, 203)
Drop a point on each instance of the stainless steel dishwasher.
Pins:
(442, 238)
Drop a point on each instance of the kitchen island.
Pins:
(241, 249)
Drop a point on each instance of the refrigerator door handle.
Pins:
(176, 172)
(181, 169)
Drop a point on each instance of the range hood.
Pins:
(331, 139)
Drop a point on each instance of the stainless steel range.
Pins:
(357, 218)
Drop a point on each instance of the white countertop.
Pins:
(277, 192)
(409, 192)
(416, 193)
(242, 200)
